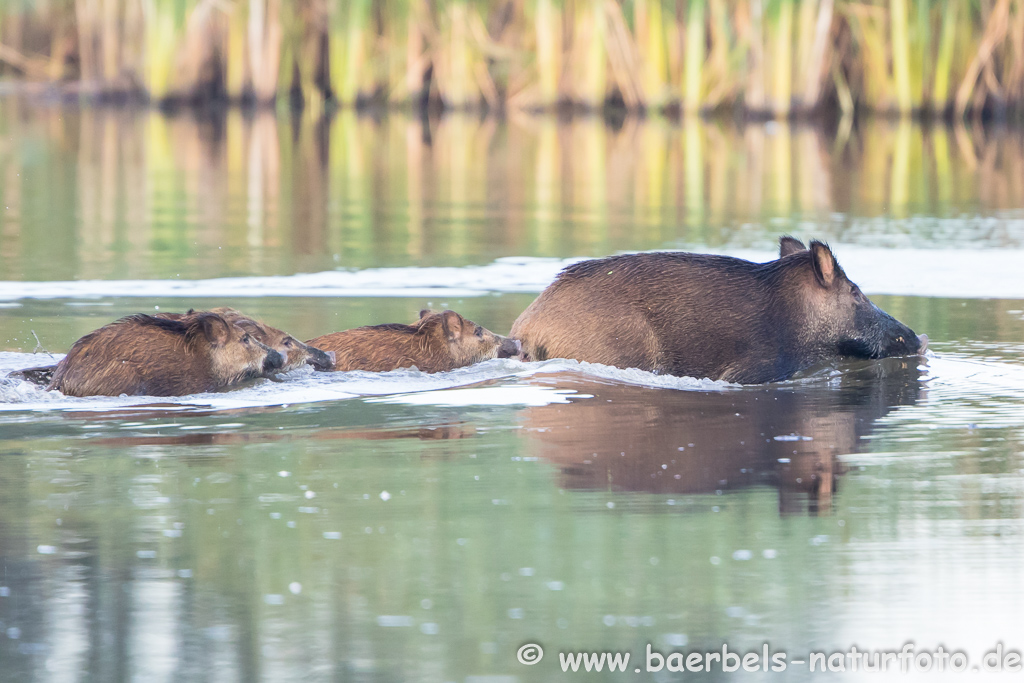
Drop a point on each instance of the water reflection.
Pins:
(103, 193)
(379, 541)
(629, 438)
(438, 432)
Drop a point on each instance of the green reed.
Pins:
(772, 57)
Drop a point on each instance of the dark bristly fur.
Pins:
(161, 356)
(40, 376)
(437, 342)
(710, 316)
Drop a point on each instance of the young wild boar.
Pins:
(295, 353)
(711, 316)
(146, 355)
(435, 343)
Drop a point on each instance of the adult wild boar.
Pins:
(437, 342)
(711, 316)
(146, 355)
(295, 353)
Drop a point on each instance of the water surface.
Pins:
(422, 528)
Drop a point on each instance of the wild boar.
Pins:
(437, 342)
(711, 316)
(295, 353)
(147, 355)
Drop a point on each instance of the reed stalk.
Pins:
(348, 46)
(236, 75)
(396, 37)
(547, 24)
(454, 60)
(161, 41)
(725, 55)
(920, 53)
(782, 60)
(592, 57)
(944, 60)
(693, 56)
(900, 54)
(649, 26)
(754, 93)
(818, 57)
(264, 40)
(995, 31)
(805, 22)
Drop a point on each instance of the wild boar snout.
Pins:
(274, 361)
(320, 360)
(510, 348)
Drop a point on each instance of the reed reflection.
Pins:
(630, 438)
(98, 193)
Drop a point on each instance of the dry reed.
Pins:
(769, 57)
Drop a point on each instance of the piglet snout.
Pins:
(510, 348)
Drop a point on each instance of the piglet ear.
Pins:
(214, 328)
(424, 313)
(451, 323)
(790, 245)
(824, 263)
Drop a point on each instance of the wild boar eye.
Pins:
(288, 342)
(480, 332)
(246, 338)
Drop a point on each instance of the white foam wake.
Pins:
(406, 386)
(906, 272)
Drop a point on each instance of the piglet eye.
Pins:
(246, 338)
(288, 341)
(480, 332)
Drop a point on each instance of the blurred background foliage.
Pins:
(767, 58)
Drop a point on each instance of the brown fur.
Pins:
(295, 353)
(710, 316)
(437, 342)
(159, 356)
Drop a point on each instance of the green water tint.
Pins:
(871, 504)
(134, 194)
(389, 542)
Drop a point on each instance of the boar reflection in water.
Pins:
(629, 438)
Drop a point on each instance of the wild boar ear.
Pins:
(451, 323)
(249, 325)
(824, 263)
(215, 329)
(424, 313)
(190, 311)
(790, 245)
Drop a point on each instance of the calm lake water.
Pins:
(406, 527)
